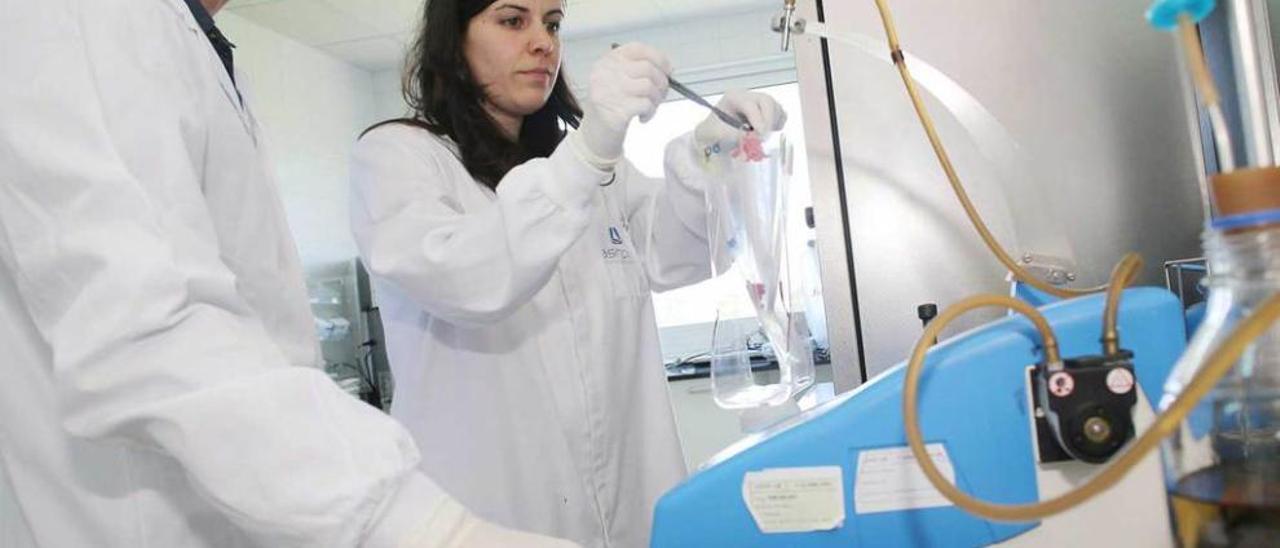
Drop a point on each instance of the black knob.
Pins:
(808, 216)
(927, 312)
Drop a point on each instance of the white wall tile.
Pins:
(369, 53)
(307, 21)
(386, 16)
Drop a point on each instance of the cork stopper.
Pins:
(1246, 193)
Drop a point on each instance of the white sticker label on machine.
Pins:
(889, 480)
(795, 500)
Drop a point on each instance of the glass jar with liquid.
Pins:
(1222, 466)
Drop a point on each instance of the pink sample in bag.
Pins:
(750, 148)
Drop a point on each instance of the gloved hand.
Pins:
(627, 82)
(763, 113)
(452, 526)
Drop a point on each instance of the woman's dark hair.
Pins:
(444, 98)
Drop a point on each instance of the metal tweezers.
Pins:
(733, 121)
(725, 117)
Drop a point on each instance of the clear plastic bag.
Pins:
(747, 216)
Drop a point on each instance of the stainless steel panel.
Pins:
(829, 220)
(1255, 80)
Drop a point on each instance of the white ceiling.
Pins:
(372, 34)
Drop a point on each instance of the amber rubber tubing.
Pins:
(1196, 64)
(1020, 273)
(1198, 68)
(1123, 276)
(1219, 363)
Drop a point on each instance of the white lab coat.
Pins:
(152, 307)
(520, 326)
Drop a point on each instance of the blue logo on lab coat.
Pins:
(615, 235)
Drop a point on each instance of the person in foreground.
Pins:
(160, 381)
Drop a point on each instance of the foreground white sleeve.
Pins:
(151, 344)
(669, 218)
(466, 267)
(452, 526)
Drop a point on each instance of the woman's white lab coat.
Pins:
(152, 307)
(520, 327)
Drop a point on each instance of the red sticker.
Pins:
(1062, 384)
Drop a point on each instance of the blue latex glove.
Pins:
(1163, 14)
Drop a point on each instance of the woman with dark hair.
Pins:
(514, 260)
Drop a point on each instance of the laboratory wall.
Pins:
(388, 94)
(311, 106)
(1081, 152)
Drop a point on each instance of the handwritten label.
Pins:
(795, 500)
(889, 480)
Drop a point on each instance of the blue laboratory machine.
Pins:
(1040, 429)
(840, 474)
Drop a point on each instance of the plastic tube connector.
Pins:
(1163, 14)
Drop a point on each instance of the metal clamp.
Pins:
(787, 23)
(1055, 270)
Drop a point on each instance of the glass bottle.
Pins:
(1222, 466)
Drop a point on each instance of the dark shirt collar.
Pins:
(202, 15)
(220, 44)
